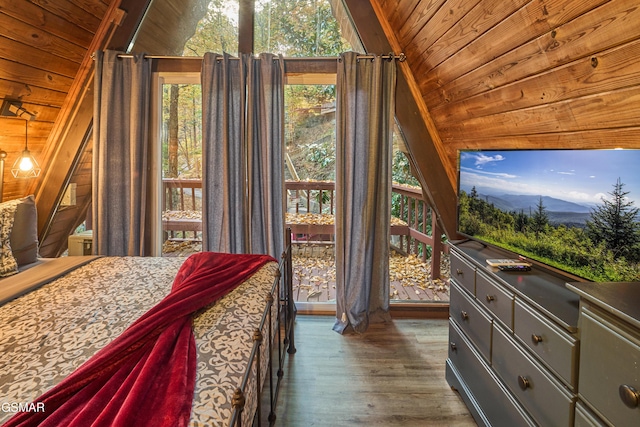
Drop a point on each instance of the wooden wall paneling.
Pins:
(36, 58)
(442, 21)
(72, 13)
(13, 128)
(19, 90)
(44, 20)
(33, 77)
(608, 26)
(96, 8)
(24, 33)
(484, 16)
(589, 139)
(408, 16)
(608, 110)
(534, 20)
(615, 68)
(596, 139)
(397, 11)
(43, 113)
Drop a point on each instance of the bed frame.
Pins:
(285, 315)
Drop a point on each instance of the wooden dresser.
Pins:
(609, 378)
(514, 347)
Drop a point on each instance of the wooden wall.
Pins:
(42, 46)
(522, 74)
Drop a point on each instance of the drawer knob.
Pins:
(459, 272)
(629, 395)
(453, 346)
(537, 339)
(490, 298)
(523, 382)
(464, 315)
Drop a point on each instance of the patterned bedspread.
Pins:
(49, 332)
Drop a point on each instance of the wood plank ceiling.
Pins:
(42, 46)
(520, 73)
(479, 74)
(45, 63)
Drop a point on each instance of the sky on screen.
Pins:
(579, 176)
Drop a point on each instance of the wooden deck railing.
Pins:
(415, 228)
(182, 195)
(424, 231)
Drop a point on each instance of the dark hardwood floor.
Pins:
(393, 375)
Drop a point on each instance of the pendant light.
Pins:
(26, 165)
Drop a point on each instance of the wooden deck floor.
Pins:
(314, 273)
(392, 375)
(314, 276)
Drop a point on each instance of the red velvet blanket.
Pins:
(146, 376)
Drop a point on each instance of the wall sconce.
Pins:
(26, 165)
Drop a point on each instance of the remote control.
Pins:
(514, 267)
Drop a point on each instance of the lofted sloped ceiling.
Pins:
(42, 48)
(46, 65)
(479, 74)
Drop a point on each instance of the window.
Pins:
(179, 136)
(298, 28)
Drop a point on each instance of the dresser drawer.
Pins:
(585, 418)
(495, 298)
(463, 272)
(609, 368)
(548, 402)
(471, 319)
(497, 404)
(555, 347)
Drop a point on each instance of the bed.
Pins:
(56, 314)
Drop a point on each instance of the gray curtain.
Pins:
(265, 136)
(365, 108)
(120, 138)
(243, 154)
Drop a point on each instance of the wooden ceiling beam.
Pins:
(421, 136)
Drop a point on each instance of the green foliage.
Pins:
(310, 131)
(302, 28)
(188, 163)
(614, 223)
(567, 248)
(216, 32)
(539, 219)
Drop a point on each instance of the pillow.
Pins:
(24, 236)
(8, 264)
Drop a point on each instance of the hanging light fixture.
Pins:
(26, 165)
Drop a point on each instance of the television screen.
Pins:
(576, 210)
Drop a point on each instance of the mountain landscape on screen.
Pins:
(577, 210)
(559, 211)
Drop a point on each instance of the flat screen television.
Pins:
(574, 210)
